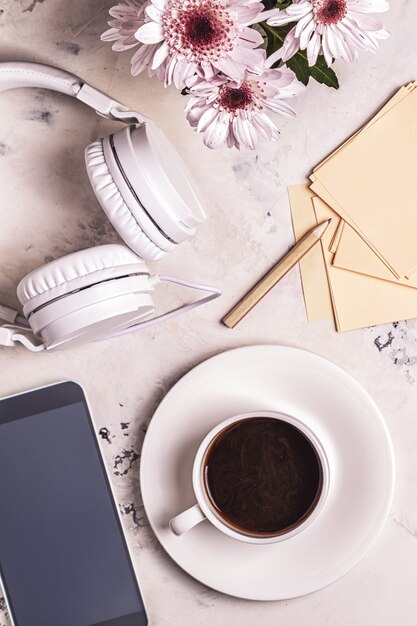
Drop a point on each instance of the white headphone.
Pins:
(151, 200)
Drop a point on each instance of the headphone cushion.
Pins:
(76, 271)
(114, 206)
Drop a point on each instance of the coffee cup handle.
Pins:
(183, 522)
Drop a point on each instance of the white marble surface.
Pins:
(47, 209)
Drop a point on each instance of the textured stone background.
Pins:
(48, 209)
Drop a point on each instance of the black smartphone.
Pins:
(64, 560)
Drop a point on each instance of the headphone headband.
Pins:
(16, 74)
(149, 197)
(19, 74)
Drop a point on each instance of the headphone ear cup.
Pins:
(115, 207)
(75, 272)
(86, 295)
(155, 183)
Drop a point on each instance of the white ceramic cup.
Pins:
(204, 509)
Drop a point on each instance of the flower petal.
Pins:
(306, 34)
(246, 14)
(325, 47)
(206, 119)
(290, 46)
(369, 6)
(182, 72)
(217, 132)
(301, 24)
(160, 55)
(248, 58)
(154, 13)
(231, 68)
(366, 22)
(110, 35)
(265, 126)
(293, 13)
(280, 107)
(274, 58)
(313, 49)
(150, 33)
(249, 132)
(159, 4)
(250, 38)
(141, 59)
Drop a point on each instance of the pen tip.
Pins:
(329, 220)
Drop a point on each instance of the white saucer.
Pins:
(328, 400)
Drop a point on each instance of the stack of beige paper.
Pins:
(365, 271)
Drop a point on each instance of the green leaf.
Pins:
(324, 74)
(298, 63)
(276, 4)
(275, 37)
(299, 66)
(269, 4)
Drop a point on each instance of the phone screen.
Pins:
(63, 556)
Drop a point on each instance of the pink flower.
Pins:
(182, 37)
(127, 19)
(231, 112)
(335, 28)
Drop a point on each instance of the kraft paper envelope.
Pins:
(351, 249)
(359, 300)
(320, 191)
(334, 244)
(313, 273)
(328, 198)
(373, 181)
(352, 253)
(398, 96)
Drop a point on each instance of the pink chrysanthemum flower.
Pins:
(127, 18)
(182, 37)
(231, 112)
(338, 29)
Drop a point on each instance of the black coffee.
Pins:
(262, 475)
